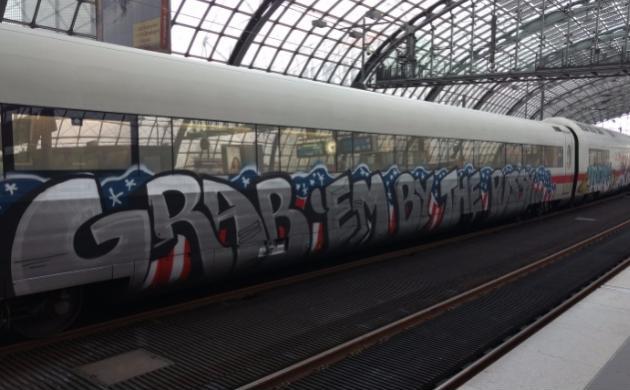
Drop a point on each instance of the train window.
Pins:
(514, 154)
(155, 140)
(552, 156)
(460, 153)
(344, 148)
(268, 144)
(213, 147)
(598, 157)
(302, 149)
(436, 152)
(532, 155)
(410, 152)
(489, 154)
(374, 150)
(46, 139)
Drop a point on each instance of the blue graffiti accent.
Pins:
(467, 171)
(245, 178)
(543, 180)
(509, 169)
(389, 181)
(436, 190)
(15, 187)
(361, 172)
(305, 182)
(420, 173)
(115, 190)
(600, 177)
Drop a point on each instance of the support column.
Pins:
(624, 50)
(3, 7)
(542, 100)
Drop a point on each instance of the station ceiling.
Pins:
(345, 41)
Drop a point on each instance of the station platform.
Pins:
(587, 347)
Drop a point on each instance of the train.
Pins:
(149, 170)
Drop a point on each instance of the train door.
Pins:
(566, 186)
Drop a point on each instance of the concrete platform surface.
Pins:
(587, 347)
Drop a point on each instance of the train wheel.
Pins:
(45, 314)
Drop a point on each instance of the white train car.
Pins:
(126, 165)
(604, 158)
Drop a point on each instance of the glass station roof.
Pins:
(345, 41)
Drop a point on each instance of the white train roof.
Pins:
(594, 136)
(46, 69)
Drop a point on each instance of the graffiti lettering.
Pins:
(169, 225)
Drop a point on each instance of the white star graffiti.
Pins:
(245, 181)
(130, 183)
(114, 197)
(10, 188)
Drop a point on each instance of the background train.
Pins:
(132, 166)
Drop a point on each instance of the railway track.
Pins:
(256, 289)
(268, 332)
(380, 337)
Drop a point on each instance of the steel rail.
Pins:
(476, 367)
(382, 334)
(274, 284)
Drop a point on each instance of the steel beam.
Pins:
(398, 37)
(562, 73)
(622, 90)
(433, 93)
(3, 7)
(258, 20)
(528, 95)
(562, 97)
(486, 96)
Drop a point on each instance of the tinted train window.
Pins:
(532, 155)
(489, 154)
(268, 143)
(345, 157)
(213, 147)
(301, 149)
(514, 154)
(56, 140)
(436, 150)
(552, 156)
(410, 152)
(461, 152)
(155, 140)
(374, 150)
(598, 157)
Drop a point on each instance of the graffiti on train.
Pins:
(600, 177)
(159, 229)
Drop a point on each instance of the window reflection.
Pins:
(47, 139)
(155, 143)
(374, 150)
(514, 154)
(532, 155)
(268, 141)
(345, 157)
(553, 156)
(489, 154)
(215, 148)
(301, 149)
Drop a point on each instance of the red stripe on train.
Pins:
(186, 269)
(567, 179)
(163, 271)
